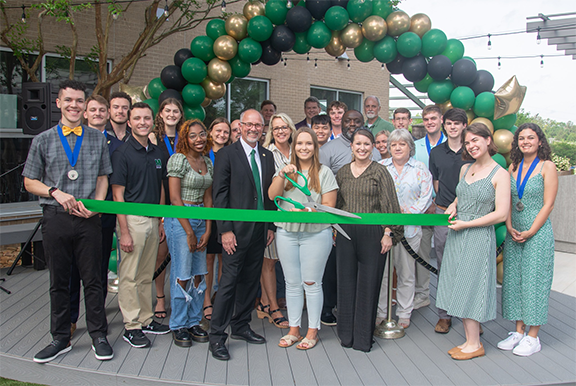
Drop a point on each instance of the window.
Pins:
(326, 95)
(241, 94)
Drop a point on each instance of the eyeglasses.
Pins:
(250, 125)
(280, 128)
(194, 137)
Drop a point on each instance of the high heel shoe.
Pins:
(262, 313)
(277, 321)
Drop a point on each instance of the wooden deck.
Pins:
(419, 358)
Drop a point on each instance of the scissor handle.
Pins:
(296, 204)
(304, 189)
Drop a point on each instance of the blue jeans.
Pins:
(303, 256)
(186, 304)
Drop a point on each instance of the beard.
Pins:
(371, 115)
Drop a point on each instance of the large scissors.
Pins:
(312, 204)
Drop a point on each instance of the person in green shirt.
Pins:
(374, 122)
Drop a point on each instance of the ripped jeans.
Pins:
(303, 256)
(186, 304)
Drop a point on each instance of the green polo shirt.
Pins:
(379, 125)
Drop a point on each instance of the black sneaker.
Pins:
(50, 352)
(328, 319)
(102, 349)
(136, 338)
(198, 334)
(155, 328)
(182, 338)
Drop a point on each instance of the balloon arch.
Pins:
(373, 28)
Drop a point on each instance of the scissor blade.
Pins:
(329, 209)
(342, 232)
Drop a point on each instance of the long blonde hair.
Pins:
(314, 171)
(270, 135)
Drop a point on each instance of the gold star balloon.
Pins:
(509, 98)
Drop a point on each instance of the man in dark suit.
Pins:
(243, 172)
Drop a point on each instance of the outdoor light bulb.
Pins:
(541, 61)
(289, 5)
(115, 15)
(489, 42)
(315, 63)
(382, 68)
(307, 58)
(499, 64)
(223, 6)
(538, 39)
(23, 14)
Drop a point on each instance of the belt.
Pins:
(441, 207)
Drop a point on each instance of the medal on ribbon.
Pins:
(71, 154)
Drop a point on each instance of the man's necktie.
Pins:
(256, 176)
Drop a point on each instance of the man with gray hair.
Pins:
(311, 109)
(373, 121)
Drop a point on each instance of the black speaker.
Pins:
(39, 111)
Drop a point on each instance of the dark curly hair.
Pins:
(544, 151)
(183, 145)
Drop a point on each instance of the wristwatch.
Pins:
(51, 191)
(389, 234)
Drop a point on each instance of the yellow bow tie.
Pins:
(67, 130)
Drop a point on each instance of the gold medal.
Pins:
(73, 175)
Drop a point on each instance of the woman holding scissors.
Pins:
(303, 249)
(529, 247)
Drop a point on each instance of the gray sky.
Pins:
(551, 89)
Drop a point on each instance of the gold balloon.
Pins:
(254, 8)
(206, 102)
(351, 36)
(445, 106)
(219, 70)
(236, 26)
(213, 90)
(470, 115)
(485, 121)
(137, 93)
(503, 140)
(509, 98)
(225, 47)
(374, 28)
(398, 22)
(420, 24)
(335, 47)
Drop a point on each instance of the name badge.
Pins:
(158, 163)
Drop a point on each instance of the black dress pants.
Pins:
(238, 287)
(68, 239)
(330, 283)
(360, 268)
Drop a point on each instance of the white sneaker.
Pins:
(509, 343)
(527, 346)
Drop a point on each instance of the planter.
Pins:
(566, 172)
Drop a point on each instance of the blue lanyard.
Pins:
(520, 185)
(105, 133)
(428, 147)
(72, 156)
(211, 155)
(171, 149)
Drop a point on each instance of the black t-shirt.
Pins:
(139, 170)
(164, 148)
(445, 167)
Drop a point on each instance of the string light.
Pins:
(382, 68)
(166, 10)
(315, 63)
(23, 14)
(223, 6)
(307, 57)
(538, 39)
(499, 64)
(289, 4)
(348, 64)
(285, 61)
(489, 42)
(541, 61)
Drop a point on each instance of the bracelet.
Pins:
(309, 209)
(51, 191)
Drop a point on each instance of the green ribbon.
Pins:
(193, 212)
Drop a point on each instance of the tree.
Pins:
(181, 16)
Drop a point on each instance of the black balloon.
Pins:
(484, 82)
(270, 56)
(181, 55)
(395, 66)
(299, 19)
(171, 77)
(439, 67)
(414, 69)
(282, 38)
(318, 8)
(464, 72)
(342, 3)
(169, 93)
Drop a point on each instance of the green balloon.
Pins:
(381, 8)
(113, 262)
(193, 94)
(484, 105)
(201, 47)
(154, 105)
(318, 35)
(249, 50)
(276, 11)
(301, 45)
(215, 28)
(196, 112)
(260, 28)
(336, 18)
(462, 97)
(365, 51)
(439, 91)
(194, 70)
(231, 79)
(513, 129)
(506, 122)
(359, 10)
(385, 50)
(500, 160)
(500, 230)
(155, 88)
(433, 42)
(409, 44)
(454, 50)
(240, 69)
(423, 85)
